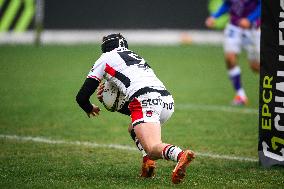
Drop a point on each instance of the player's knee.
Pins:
(231, 60)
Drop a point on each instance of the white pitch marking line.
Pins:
(115, 146)
(216, 108)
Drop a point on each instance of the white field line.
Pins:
(114, 146)
(216, 108)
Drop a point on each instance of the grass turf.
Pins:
(38, 88)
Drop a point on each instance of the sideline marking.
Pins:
(217, 108)
(115, 146)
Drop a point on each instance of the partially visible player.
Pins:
(150, 104)
(221, 22)
(243, 31)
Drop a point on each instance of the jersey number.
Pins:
(130, 58)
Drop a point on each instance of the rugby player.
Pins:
(150, 104)
(242, 31)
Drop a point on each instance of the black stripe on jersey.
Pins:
(121, 77)
(130, 58)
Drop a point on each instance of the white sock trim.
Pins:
(241, 92)
(175, 154)
(234, 71)
(172, 152)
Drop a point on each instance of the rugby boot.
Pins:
(240, 100)
(180, 169)
(148, 168)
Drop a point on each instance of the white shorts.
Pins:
(151, 107)
(237, 38)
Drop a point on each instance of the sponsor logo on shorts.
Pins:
(157, 101)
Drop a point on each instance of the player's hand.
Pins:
(244, 23)
(95, 111)
(210, 22)
(100, 91)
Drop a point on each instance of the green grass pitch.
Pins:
(38, 89)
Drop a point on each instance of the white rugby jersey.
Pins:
(128, 71)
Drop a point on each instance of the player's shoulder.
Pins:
(106, 56)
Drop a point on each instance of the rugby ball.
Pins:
(113, 98)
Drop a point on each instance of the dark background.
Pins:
(125, 14)
(270, 64)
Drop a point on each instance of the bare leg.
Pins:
(135, 139)
(234, 72)
(231, 60)
(149, 134)
(148, 165)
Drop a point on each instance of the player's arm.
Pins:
(89, 87)
(83, 97)
(224, 8)
(256, 13)
(246, 22)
